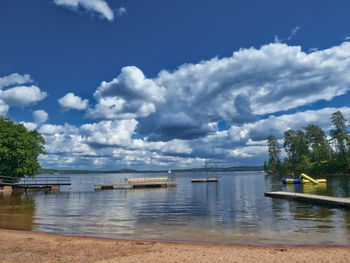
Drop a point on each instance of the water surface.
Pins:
(234, 210)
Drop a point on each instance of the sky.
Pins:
(116, 84)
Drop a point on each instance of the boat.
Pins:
(169, 171)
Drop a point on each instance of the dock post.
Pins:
(7, 189)
(55, 188)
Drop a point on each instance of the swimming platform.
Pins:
(311, 198)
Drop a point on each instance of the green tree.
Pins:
(295, 145)
(318, 143)
(19, 150)
(340, 137)
(273, 166)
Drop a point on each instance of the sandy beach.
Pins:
(25, 246)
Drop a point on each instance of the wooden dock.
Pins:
(145, 182)
(310, 198)
(205, 180)
(34, 184)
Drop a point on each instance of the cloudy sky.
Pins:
(115, 84)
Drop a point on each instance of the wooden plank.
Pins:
(310, 198)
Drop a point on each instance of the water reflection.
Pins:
(17, 211)
(233, 210)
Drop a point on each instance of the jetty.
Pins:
(27, 184)
(145, 182)
(311, 198)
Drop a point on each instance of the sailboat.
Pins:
(169, 171)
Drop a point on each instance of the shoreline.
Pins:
(28, 246)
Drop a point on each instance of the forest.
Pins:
(311, 150)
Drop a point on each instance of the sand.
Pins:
(25, 246)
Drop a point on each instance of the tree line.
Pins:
(309, 150)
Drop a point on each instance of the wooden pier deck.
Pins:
(34, 184)
(310, 198)
(147, 182)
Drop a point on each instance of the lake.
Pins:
(234, 210)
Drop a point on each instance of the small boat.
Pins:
(169, 171)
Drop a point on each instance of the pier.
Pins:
(33, 184)
(310, 198)
(147, 182)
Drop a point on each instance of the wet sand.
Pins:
(25, 246)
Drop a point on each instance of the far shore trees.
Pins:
(19, 150)
(308, 150)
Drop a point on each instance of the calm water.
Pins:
(233, 210)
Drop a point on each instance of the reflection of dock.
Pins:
(310, 198)
(205, 180)
(147, 182)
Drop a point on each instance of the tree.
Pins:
(340, 137)
(19, 150)
(295, 145)
(318, 143)
(339, 134)
(274, 164)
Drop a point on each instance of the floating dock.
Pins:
(146, 182)
(205, 180)
(310, 198)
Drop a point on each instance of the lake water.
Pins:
(234, 210)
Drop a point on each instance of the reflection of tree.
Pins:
(17, 211)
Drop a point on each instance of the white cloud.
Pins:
(277, 39)
(128, 96)
(3, 108)
(109, 133)
(14, 78)
(99, 6)
(70, 101)
(22, 96)
(121, 11)
(29, 125)
(252, 82)
(40, 116)
(174, 117)
(294, 32)
(49, 129)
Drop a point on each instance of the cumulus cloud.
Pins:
(29, 125)
(109, 133)
(40, 116)
(14, 79)
(70, 101)
(3, 108)
(128, 96)
(173, 117)
(22, 96)
(238, 89)
(99, 6)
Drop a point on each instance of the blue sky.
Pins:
(168, 84)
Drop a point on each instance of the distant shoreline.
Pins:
(229, 169)
(27, 246)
